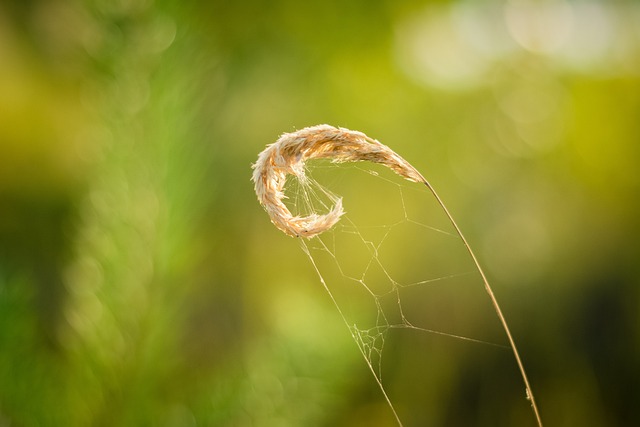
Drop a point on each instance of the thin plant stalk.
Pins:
(494, 302)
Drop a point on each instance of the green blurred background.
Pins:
(142, 284)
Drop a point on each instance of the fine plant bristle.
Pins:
(287, 156)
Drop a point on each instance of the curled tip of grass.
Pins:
(287, 156)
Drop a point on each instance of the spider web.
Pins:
(401, 278)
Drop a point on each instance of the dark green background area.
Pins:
(142, 284)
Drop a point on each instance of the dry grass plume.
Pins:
(288, 156)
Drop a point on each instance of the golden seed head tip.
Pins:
(288, 155)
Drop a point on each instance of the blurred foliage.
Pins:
(141, 283)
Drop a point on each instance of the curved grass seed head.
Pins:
(287, 156)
